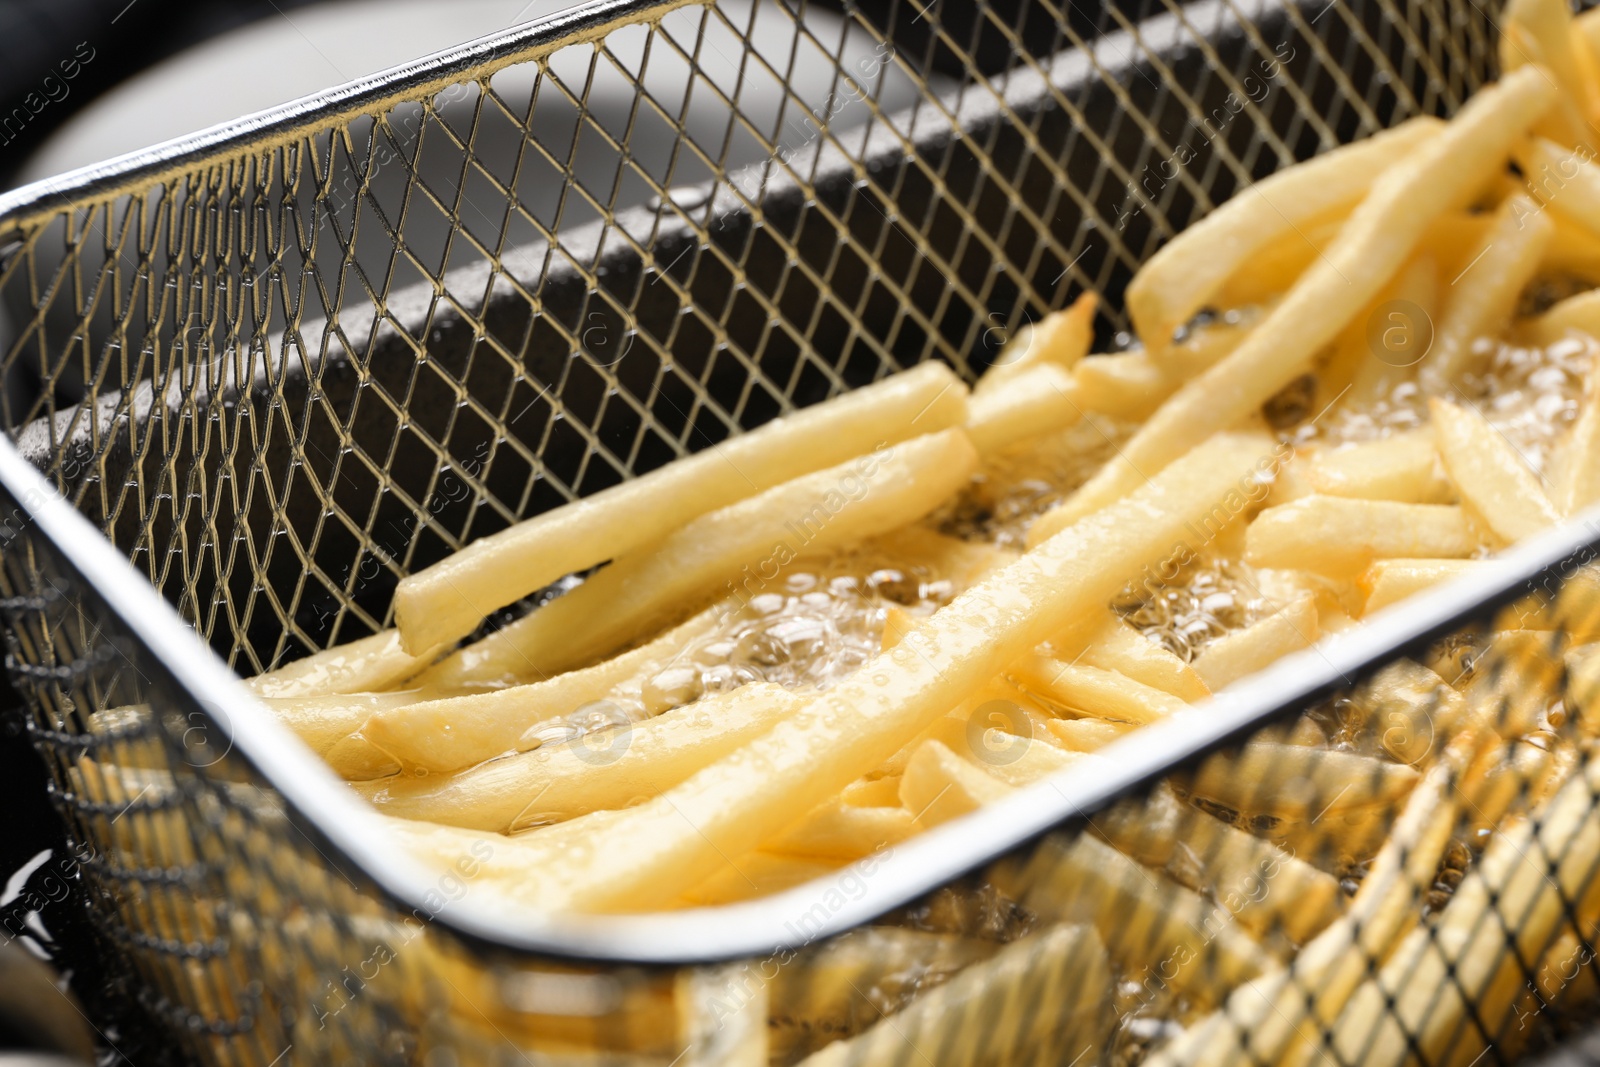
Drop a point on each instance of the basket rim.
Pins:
(319, 802)
(375, 93)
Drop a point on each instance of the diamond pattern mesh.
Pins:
(282, 372)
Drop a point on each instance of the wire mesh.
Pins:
(282, 370)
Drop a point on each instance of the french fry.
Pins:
(986, 1014)
(609, 770)
(1243, 652)
(1127, 385)
(1101, 693)
(845, 832)
(1059, 339)
(450, 733)
(1411, 708)
(1266, 1018)
(324, 720)
(1380, 349)
(364, 666)
(1296, 781)
(1116, 646)
(813, 513)
(1020, 761)
(669, 844)
(1404, 467)
(1541, 31)
(1490, 474)
(1031, 402)
(1146, 920)
(758, 874)
(1389, 581)
(939, 785)
(1578, 314)
(447, 600)
(1469, 963)
(1515, 679)
(837, 988)
(1576, 473)
(1087, 735)
(1440, 173)
(1266, 888)
(872, 792)
(1204, 345)
(1480, 300)
(1186, 273)
(1341, 536)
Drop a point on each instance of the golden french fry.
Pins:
(1578, 314)
(1389, 581)
(1147, 920)
(1490, 474)
(1241, 653)
(814, 513)
(1541, 31)
(837, 988)
(758, 874)
(1296, 781)
(986, 1014)
(1267, 889)
(1019, 761)
(1515, 679)
(873, 792)
(1186, 273)
(448, 733)
(1260, 282)
(355, 759)
(1404, 467)
(1127, 385)
(1204, 345)
(1411, 708)
(1340, 535)
(447, 600)
(1116, 646)
(1437, 175)
(664, 847)
(323, 721)
(845, 832)
(1480, 301)
(607, 770)
(939, 785)
(364, 666)
(1576, 473)
(1100, 693)
(1265, 1018)
(1380, 349)
(1469, 962)
(1034, 401)
(1087, 735)
(1059, 339)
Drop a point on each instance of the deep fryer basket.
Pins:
(266, 371)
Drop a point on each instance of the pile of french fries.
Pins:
(878, 614)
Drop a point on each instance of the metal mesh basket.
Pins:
(254, 377)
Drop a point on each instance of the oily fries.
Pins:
(985, 1014)
(1482, 298)
(363, 666)
(1404, 467)
(449, 599)
(729, 808)
(448, 733)
(1489, 473)
(1438, 173)
(594, 772)
(1340, 536)
(831, 507)
(1182, 276)
(1060, 339)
